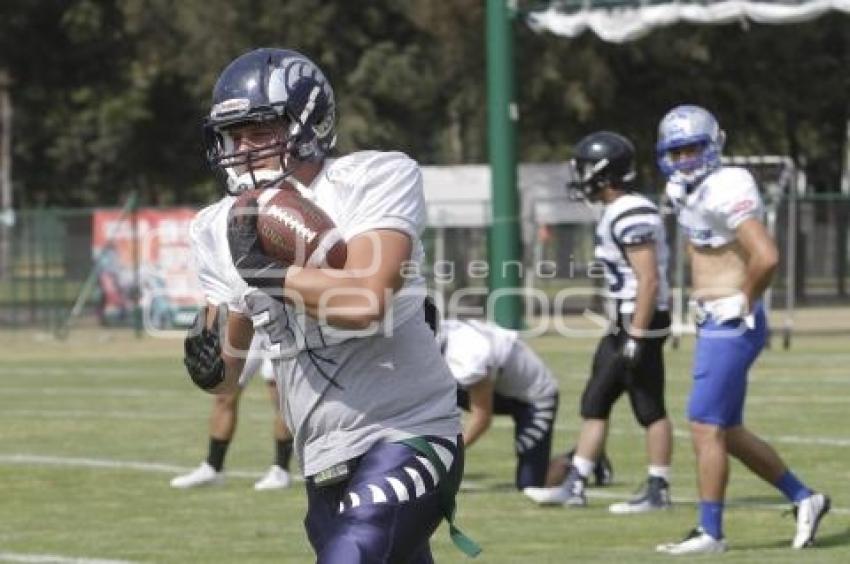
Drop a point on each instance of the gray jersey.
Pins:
(631, 219)
(342, 399)
(341, 391)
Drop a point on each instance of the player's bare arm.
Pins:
(761, 255)
(642, 259)
(480, 410)
(357, 295)
(237, 339)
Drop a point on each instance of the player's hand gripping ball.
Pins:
(293, 230)
(270, 229)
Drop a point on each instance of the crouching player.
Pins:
(497, 373)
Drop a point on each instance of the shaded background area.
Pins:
(109, 94)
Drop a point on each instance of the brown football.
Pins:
(294, 230)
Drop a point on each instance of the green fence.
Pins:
(44, 260)
(46, 257)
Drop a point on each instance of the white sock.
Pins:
(583, 465)
(659, 472)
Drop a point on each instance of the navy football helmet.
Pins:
(686, 126)
(272, 87)
(603, 159)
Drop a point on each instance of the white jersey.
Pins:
(476, 350)
(631, 219)
(712, 211)
(343, 392)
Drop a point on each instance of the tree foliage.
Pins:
(109, 94)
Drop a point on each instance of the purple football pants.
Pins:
(386, 511)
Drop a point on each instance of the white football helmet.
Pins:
(684, 126)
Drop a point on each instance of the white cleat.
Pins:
(275, 479)
(547, 496)
(570, 493)
(697, 542)
(653, 496)
(809, 512)
(574, 489)
(203, 475)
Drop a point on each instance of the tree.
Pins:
(110, 94)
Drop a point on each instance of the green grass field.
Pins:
(92, 429)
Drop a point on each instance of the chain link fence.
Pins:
(48, 256)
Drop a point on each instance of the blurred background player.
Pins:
(364, 390)
(733, 258)
(631, 243)
(222, 427)
(498, 373)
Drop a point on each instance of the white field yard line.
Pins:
(498, 423)
(81, 462)
(467, 485)
(94, 392)
(10, 370)
(595, 493)
(841, 442)
(122, 392)
(55, 559)
(89, 414)
(771, 399)
(80, 414)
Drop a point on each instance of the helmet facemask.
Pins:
(693, 129)
(592, 177)
(262, 162)
(278, 89)
(589, 178)
(690, 170)
(603, 159)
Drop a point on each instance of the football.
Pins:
(294, 230)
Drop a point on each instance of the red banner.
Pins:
(170, 293)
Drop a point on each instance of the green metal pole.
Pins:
(505, 243)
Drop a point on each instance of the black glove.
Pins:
(631, 352)
(255, 268)
(202, 352)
